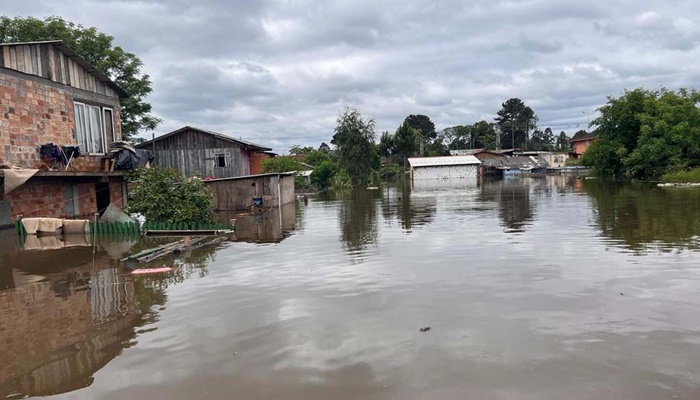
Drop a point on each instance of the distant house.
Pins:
(554, 159)
(206, 154)
(445, 168)
(580, 143)
(52, 101)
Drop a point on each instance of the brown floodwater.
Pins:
(538, 288)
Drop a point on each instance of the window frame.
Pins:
(226, 157)
(106, 140)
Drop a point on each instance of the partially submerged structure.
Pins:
(58, 118)
(455, 168)
(243, 193)
(206, 154)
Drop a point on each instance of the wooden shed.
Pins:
(206, 154)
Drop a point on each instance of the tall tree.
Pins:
(123, 67)
(386, 144)
(297, 150)
(562, 142)
(423, 125)
(354, 139)
(406, 141)
(515, 119)
(542, 140)
(324, 147)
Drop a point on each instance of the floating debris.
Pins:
(144, 271)
(425, 329)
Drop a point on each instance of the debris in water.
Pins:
(622, 294)
(425, 329)
(151, 270)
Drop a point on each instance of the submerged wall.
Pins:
(231, 194)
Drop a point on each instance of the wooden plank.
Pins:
(36, 65)
(27, 59)
(64, 68)
(13, 58)
(6, 57)
(47, 62)
(73, 76)
(20, 58)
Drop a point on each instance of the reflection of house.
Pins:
(206, 154)
(445, 168)
(580, 143)
(57, 332)
(50, 95)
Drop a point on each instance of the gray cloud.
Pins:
(278, 72)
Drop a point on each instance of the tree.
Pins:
(542, 141)
(515, 119)
(280, 164)
(324, 148)
(386, 144)
(164, 196)
(316, 157)
(423, 125)
(646, 133)
(299, 150)
(406, 141)
(354, 139)
(123, 67)
(323, 173)
(562, 142)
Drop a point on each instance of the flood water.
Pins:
(535, 288)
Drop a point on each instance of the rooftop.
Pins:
(250, 145)
(70, 53)
(442, 161)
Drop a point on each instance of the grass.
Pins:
(692, 176)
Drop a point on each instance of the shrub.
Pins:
(683, 176)
(323, 173)
(164, 196)
(280, 164)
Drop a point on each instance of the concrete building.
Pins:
(553, 159)
(206, 154)
(51, 97)
(463, 168)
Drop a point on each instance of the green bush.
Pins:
(692, 176)
(164, 196)
(341, 181)
(280, 164)
(323, 173)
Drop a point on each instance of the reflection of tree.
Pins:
(646, 217)
(358, 218)
(514, 206)
(410, 210)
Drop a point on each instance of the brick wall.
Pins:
(256, 160)
(116, 194)
(32, 114)
(52, 198)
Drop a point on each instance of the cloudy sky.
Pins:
(277, 72)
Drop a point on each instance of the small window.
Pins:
(221, 160)
(109, 123)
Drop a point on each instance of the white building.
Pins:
(450, 168)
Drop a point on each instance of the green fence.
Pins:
(132, 228)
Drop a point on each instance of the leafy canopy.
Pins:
(123, 67)
(280, 164)
(354, 140)
(645, 134)
(164, 196)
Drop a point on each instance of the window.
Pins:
(221, 160)
(109, 123)
(91, 128)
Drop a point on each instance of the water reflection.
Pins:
(643, 217)
(64, 314)
(269, 226)
(515, 209)
(357, 216)
(411, 209)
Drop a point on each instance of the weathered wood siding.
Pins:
(194, 153)
(47, 61)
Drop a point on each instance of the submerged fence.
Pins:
(133, 228)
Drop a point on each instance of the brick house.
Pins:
(49, 94)
(580, 143)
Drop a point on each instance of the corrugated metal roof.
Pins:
(440, 161)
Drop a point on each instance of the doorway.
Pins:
(102, 196)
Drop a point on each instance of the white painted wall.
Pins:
(448, 172)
